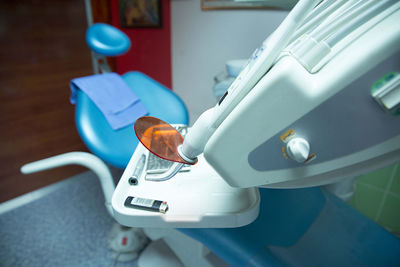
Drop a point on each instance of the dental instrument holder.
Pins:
(198, 198)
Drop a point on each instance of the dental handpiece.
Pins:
(133, 180)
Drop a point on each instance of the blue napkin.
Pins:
(120, 106)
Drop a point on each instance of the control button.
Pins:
(298, 149)
(386, 92)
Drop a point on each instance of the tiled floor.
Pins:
(377, 195)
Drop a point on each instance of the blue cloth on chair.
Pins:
(120, 106)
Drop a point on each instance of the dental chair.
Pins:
(289, 124)
(116, 147)
(113, 147)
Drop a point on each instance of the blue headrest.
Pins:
(107, 40)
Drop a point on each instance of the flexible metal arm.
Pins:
(85, 159)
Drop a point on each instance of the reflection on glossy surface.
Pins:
(159, 137)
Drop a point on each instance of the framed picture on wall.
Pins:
(140, 13)
(247, 4)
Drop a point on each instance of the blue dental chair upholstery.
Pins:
(107, 40)
(303, 227)
(117, 146)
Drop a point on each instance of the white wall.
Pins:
(202, 41)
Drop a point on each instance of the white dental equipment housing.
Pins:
(312, 118)
(318, 102)
(195, 198)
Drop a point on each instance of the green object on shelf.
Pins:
(381, 82)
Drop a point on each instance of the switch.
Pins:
(298, 149)
(386, 92)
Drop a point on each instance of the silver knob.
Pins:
(298, 149)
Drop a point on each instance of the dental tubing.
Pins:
(260, 62)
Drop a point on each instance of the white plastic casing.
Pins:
(195, 198)
(285, 95)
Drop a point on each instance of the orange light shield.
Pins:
(159, 137)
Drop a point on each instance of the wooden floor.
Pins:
(41, 49)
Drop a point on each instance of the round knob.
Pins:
(298, 149)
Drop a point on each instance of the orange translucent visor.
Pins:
(159, 137)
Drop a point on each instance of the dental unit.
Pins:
(309, 73)
(317, 104)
